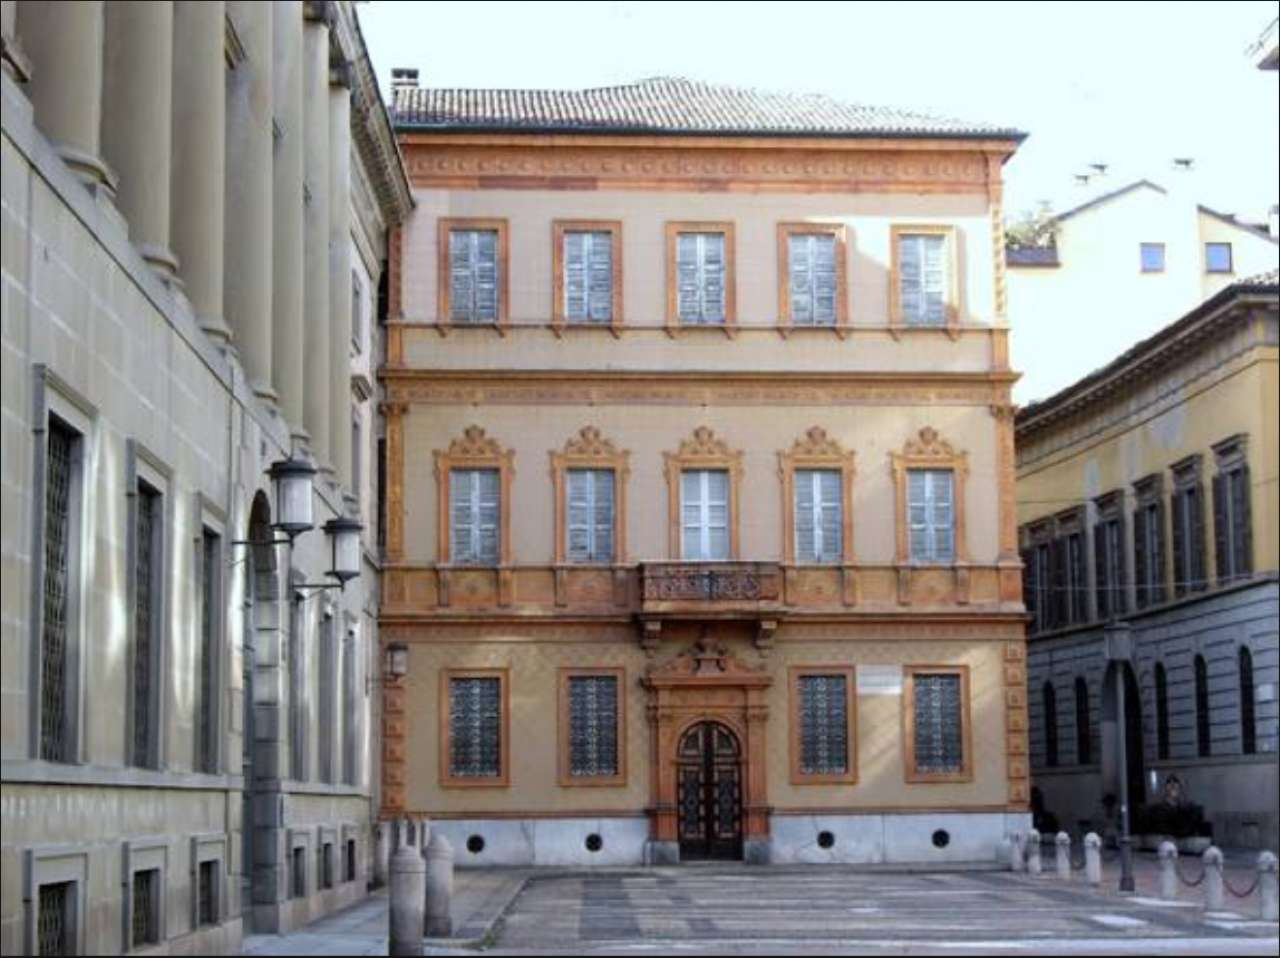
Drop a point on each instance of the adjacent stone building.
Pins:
(701, 538)
(195, 199)
(1148, 508)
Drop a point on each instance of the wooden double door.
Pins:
(709, 793)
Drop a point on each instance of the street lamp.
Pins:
(397, 663)
(344, 542)
(292, 478)
(1119, 647)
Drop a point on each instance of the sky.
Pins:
(1131, 85)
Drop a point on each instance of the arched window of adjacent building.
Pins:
(1202, 706)
(1084, 751)
(1248, 731)
(1162, 713)
(1050, 726)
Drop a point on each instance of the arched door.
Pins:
(709, 793)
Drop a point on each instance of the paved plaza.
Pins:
(742, 910)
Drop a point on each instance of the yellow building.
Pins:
(1147, 502)
(700, 520)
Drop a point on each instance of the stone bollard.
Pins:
(1093, 859)
(1168, 855)
(407, 897)
(1033, 852)
(1212, 859)
(1062, 859)
(382, 853)
(1017, 859)
(1268, 907)
(438, 894)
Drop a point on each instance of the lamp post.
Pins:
(397, 660)
(1119, 648)
(344, 543)
(293, 482)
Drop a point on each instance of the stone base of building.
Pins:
(872, 839)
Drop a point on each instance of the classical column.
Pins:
(136, 114)
(315, 124)
(64, 44)
(340, 275)
(197, 189)
(248, 239)
(287, 229)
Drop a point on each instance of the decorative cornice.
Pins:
(474, 444)
(703, 442)
(928, 445)
(590, 442)
(815, 443)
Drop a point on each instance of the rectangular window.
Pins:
(326, 865)
(298, 870)
(588, 276)
(146, 907)
(923, 278)
(476, 750)
(593, 721)
(55, 920)
(60, 524)
(209, 569)
(812, 278)
(1077, 587)
(349, 714)
(1148, 543)
(931, 515)
(819, 513)
(473, 511)
(1038, 584)
(207, 894)
(297, 694)
(937, 706)
(147, 626)
(328, 679)
(1232, 512)
(1217, 258)
(1152, 257)
(700, 279)
(704, 508)
(1109, 557)
(823, 726)
(351, 860)
(357, 312)
(1189, 572)
(473, 276)
(590, 515)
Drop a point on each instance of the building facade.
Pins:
(195, 204)
(1147, 504)
(1156, 252)
(700, 530)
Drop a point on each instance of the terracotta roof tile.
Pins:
(668, 105)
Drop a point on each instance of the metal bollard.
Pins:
(1033, 852)
(381, 853)
(1093, 859)
(1017, 860)
(1212, 859)
(438, 893)
(408, 896)
(1168, 855)
(1062, 860)
(1268, 907)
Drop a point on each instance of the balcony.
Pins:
(715, 590)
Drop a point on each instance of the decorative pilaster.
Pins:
(393, 414)
(1015, 723)
(64, 43)
(137, 106)
(248, 238)
(316, 336)
(1009, 560)
(339, 147)
(197, 187)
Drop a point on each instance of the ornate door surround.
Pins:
(707, 684)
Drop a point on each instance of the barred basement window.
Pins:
(473, 276)
(938, 724)
(701, 279)
(325, 865)
(590, 515)
(931, 515)
(474, 515)
(148, 578)
(1203, 745)
(58, 550)
(55, 924)
(824, 724)
(475, 728)
(146, 907)
(210, 567)
(207, 901)
(1162, 712)
(298, 870)
(593, 726)
(351, 860)
(819, 515)
(1248, 728)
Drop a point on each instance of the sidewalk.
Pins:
(480, 897)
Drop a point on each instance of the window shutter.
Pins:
(812, 265)
(600, 278)
(1140, 555)
(1221, 531)
(1157, 517)
(461, 286)
(687, 278)
(832, 518)
(910, 269)
(579, 531)
(712, 277)
(918, 514)
(1196, 525)
(799, 251)
(1180, 564)
(461, 522)
(806, 534)
(575, 277)
(1101, 570)
(691, 514)
(1241, 521)
(602, 518)
(717, 514)
(1058, 582)
(486, 281)
(824, 280)
(935, 281)
(1077, 595)
(942, 518)
(488, 516)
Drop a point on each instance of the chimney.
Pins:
(404, 78)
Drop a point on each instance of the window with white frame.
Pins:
(700, 278)
(588, 276)
(473, 276)
(819, 515)
(704, 509)
(923, 278)
(473, 513)
(811, 262)
(590, 515)
(931, 515)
